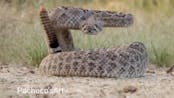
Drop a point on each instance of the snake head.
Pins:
(91, 29)
(91, 26)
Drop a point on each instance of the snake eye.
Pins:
(97, 28)
(83, 25)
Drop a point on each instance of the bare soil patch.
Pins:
(157, 83)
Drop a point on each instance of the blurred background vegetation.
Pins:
(22, 40)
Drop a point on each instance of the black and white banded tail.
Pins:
(50, 31)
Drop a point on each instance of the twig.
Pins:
(170, 70)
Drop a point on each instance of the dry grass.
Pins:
(22, 37)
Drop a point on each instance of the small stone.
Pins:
(31, 71)
(129, 89)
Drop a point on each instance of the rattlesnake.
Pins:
(123, 61)
(91, 22)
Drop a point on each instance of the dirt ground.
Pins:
(23, 82)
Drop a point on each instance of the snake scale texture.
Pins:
(129, 60)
